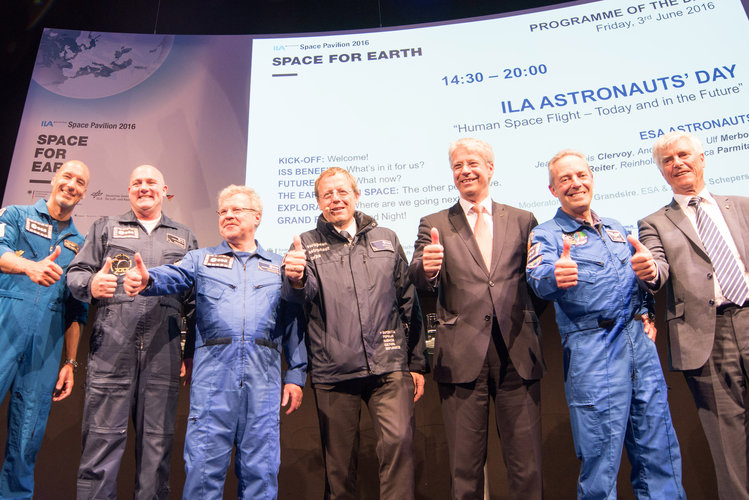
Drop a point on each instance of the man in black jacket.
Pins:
(365, 336)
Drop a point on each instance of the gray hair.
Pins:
(233, 189)
(477, 145)
(668, 139)
(562, 154)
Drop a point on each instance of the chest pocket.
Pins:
(213, 303)
(213, 288)
(588, 266)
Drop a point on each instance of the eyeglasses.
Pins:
(225, 211)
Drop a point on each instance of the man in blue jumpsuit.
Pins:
(242, 324)
(37, 242)
(613, 380)
(134, 358)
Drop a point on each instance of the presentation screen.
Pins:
(606, 78)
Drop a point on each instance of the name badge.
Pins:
(176, 240)
(382, 246)
(615, 236)
(268, 267)
(121, 233)
(225, 261)
(39, 228)
(71, 245)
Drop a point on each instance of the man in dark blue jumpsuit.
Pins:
(613, 379)
(37, 242)
(242, 325)
(134, 359)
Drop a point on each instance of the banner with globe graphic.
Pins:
(118, 100)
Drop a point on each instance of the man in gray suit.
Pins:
(488, 338)
(700, 243)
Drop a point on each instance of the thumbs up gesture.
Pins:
(642, 260)
(103, 284)
(565, 269)
(433, 254)
(295, 261)
(136, 279)
(45, 272)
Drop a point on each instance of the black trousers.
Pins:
(389, 399)
(517, 405)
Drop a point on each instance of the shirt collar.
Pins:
(467, 205)
(261, 252)
(350, 229)
(41, 207)
(683, 199)
(570, 224)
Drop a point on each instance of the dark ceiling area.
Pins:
(23, 21)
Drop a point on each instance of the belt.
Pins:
(609, 322)
(729, 306)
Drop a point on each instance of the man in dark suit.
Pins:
(488, 338)
(700, 243)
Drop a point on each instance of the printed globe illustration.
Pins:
(90, 65)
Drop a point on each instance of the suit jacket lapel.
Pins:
(734, 224)
(499, 214)
(676, 215)
(458, 220)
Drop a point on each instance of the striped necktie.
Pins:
(727, 268)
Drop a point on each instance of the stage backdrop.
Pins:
(604, 77)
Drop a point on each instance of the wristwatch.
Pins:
(72, 362)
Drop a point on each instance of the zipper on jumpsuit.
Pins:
(244, 319)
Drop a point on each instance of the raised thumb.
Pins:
(435, 236)
(107, 266)
(139, 264)
(639, 247)
(54, 254)
(566, 245)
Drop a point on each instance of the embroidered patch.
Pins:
(615, 236)
(39, 228)
(314, 250)
(577, 238)
(71, 245)
(388, 340)
(226, 261)
(121, 263)
(530, 239)
(173, 238)
(2, 211)
(121, 233)
(382, 245)
(533, 251)
(269, 267)
(532, 264)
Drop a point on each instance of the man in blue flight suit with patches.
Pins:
(37, 242)
(135, 360)
(242, 324)
(613, 379)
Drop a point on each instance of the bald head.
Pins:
(146, 192)
(68, 188)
